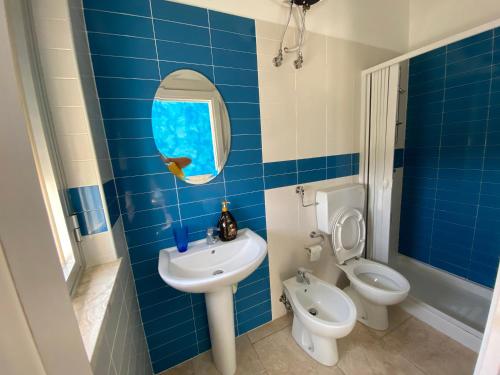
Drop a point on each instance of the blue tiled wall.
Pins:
(450, 216)
(132, 51)
(87, 205)
(399, 155)
(301, 171)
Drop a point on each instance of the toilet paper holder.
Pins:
(315, 234)
(314, 251)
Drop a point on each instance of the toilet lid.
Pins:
(348, 234)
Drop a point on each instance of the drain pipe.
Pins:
(285, 302)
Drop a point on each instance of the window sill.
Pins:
(91, 299)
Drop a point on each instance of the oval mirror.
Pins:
(191, 126)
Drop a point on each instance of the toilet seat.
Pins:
(348, 225)
(376, 282)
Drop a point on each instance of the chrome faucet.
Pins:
(302, 276)
(212, 235)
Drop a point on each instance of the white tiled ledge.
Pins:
(91, 300)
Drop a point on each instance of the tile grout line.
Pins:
(485, 146)
(439, 158)
(169, 20)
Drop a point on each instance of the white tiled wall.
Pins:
(306, 113)
(121, 347)
(313, 111)
(288, 228)
(89, 90)
(64, 93)
(74, 110)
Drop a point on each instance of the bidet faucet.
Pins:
(302, 277)
(212, 236)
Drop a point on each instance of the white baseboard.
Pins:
(451, 327)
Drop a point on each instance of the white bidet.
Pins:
(322, 314)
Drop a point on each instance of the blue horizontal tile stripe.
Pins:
(450, 201)
(245, 126)
(86, 203)
(239, 93)
(125, 108)
(311, 163)
(232, 41)
(192, 54)
(280, 167)
(285, 173)
(171, 11)
(131, 128)
(167, 67)
(120, 24)
(182, 33)
(145, 184)
(234, 76)
(123, 67)
(92, 222)
(312, 176)
(137, 166)
(243, 172)
(124, 46)
(136, 7)
(235, 24)
(126, 88)
(234, 59)
(85, 198)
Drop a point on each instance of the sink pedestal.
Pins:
(221, 325)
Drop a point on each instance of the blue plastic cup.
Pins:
(181, 238)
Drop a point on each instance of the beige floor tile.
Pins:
(270, 328)
(361, 353)
(281, 355)
(430, 350)
(185, 368)
(203, 364)
(396, 317)
(248, 362)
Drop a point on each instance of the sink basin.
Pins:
(213, 269)
(205, 268)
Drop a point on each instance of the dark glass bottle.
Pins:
(228, 228)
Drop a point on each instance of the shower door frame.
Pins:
(365, 125)
(490, 343)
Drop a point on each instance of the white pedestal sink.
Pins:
(213, 269)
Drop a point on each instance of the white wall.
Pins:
(18, 353)
(381, 23)
(432, 20)
(26, 235)
(313, 111)
(306, 113)
(74, 110)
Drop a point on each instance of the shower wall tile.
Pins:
(450, 188)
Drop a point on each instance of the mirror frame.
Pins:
(220, 123)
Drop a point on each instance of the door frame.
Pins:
(25, 229)
(43, 136)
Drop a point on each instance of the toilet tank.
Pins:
(330, 200)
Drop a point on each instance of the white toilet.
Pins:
(322, 314)
(373, 286)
